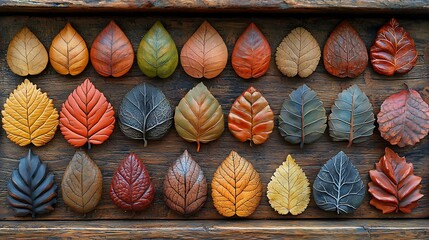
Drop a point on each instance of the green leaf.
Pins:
(157, 54)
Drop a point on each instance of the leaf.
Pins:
(302, 117)
(393, 50)
(298, 54)
(236, 187)
(111, 52)
(199, 117)
(394, 186)
(338, 186)
(352, 118)
(345, 54)
(131, 188)
(86, 116)
(26, 55)
(82, 183)
(205, 53)
(145, 113)
(288, 190)
(157, 54)
(403, 119)
(185, 186)
(252, 53)
(31, 189)
(251, 118)
(68, 52)
(29, 116)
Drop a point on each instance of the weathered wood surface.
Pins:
(159, 154)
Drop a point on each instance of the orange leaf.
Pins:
(86, 116)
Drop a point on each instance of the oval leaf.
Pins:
(68, 52)
(205, 53)
(199, 117)
(302, 117)
(338, 186)
(86, 116)
(157, 54)
(236, 187)
(394, 186)
(31, 189)
(145, 113)
(289, 188)
(393, 50)
(252, 53)
(403, 119)
(29, 116)
(26, 55)
(111, 52)
(251, 118)
(352, 118)
(185, 186)
(82, 182)
(345, 54)
(131, 188)
(298, 54)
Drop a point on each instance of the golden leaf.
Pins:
(29, 116)
(288, 190)
(26, 55)
(236, 187)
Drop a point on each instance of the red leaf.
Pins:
(393, 50)
(131, 188)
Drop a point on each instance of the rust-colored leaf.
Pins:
(131, 188)
(345, 54)
(236, 187)
(404, 118)
(111, 52)
(394, 186)
(205, 53)
(86, 116)
(252, 53)
(251, 118)
(393, 50)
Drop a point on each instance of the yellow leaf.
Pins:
(288, 190)
(29, 116)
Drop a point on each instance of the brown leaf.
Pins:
(205, 53)
(345, 54)
(394, 186)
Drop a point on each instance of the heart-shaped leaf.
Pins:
(252, 53)
(345, 54)
(199, 117)
(29, 116)
(298, 54)
(394, 186)
(289, 188)
(302, 117)
(185, 186)
(157, 54)
(338, 186)
(26, 55)
(403, 119)
(86, 116)
(251, 118)
(205, 53)
(68, 52)
(145, 113)
(393, 50)
(82, 182)
(352, 118)
(131, 188)
(31, 189)
(236, 187)
(111, 52)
